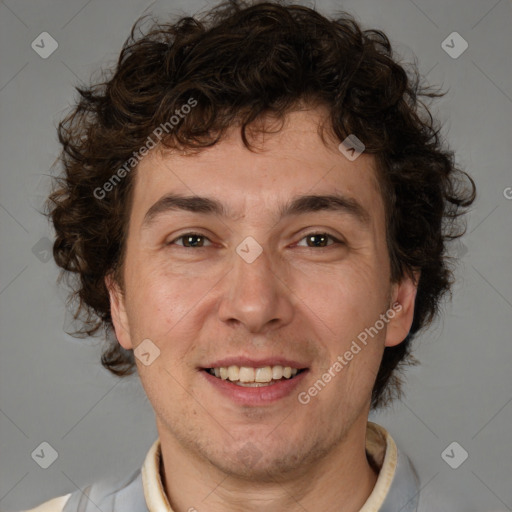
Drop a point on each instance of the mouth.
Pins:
(255, 377)
(246, 381)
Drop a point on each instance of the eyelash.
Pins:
(313, 233)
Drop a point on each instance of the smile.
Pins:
(254, 377)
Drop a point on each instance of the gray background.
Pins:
(52, 386)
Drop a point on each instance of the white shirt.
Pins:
(397, 486)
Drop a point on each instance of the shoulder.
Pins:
(108, 495)
(54, 505)
(432, 497)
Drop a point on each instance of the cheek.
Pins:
(347, 298)
(347, 302)
(159, 302)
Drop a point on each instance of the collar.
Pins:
(396, 487)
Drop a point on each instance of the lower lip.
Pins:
(258, 395)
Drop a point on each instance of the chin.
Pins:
(264, 471)
(265, 464)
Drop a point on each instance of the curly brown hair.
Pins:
(239, 62)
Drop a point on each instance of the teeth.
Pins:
(254, 384)
(263, 374)
(244, 375)
(233, 373)
(277, 372)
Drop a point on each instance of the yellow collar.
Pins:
(380, 448)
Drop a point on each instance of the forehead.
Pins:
(291, 162)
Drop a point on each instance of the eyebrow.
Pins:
(298, 205)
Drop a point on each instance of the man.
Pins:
(255, 205)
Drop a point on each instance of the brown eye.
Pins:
(319, 240)
(190, 240)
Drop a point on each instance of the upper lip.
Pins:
(256, 363)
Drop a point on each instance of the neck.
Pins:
(340, 481)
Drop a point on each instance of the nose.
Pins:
(256, 295)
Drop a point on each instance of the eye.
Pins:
(313, 240)
(319, 240)
(190, 240)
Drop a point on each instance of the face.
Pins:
(259, 274)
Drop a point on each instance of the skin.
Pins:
(307, 303)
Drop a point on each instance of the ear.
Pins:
(118, 312)
(403, 299)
